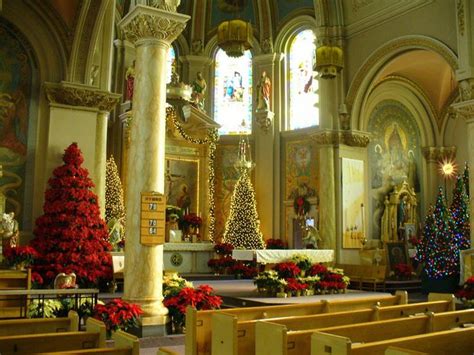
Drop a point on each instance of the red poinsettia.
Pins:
(200, 298)
(287, 270)
(317, 269)
(276, 244)
(191, 219)
(20, 255)
(466, 293)
(71, 236)
(223, 248)
(293, 284)
(118, 314)
(403, 270)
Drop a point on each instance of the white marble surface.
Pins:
(271, 256)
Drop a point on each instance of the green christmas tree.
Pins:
(114, 206)
(460, 213)
(439, 250)
(242, 228)
(465, 177)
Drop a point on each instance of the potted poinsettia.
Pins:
(20, 256)
(118, 314)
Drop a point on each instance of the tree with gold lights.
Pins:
(242, 228)
(114, 206)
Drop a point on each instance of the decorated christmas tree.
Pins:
(242, 228)
(460, 213)
(465, 177)
(71, 236)
(439, 249)
(114, 206)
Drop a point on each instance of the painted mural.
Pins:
(394, 155)
(15, 91)
(301, 170)
(226, 177)
(223, 10)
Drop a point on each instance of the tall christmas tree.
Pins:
(465, 177)
(242, 228)
(439, 250)
(71, 236)
(460, 213)
(114, 206)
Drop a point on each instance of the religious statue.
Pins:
(264, 88)
(312, 236)
(62, 281)
(130, 80)
(167, 5)
(199, 86)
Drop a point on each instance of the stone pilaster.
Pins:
(267, 153)
(151, 30)
(465, 110)
(83, 111)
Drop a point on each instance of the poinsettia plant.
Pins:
(403, 270)
(287, 270)
(20, 255)
(466, 293)
(118, 314)
(275, 244)
(201, 298)
(223, 248)
(191, 219)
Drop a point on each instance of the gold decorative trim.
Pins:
(436, 154)
(349, 138)
(416, 42)
(70, 94)
(145, 22)
(460, 13)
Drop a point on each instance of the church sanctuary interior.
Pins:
(236, 177)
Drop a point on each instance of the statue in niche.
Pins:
(264, 88)
(167, 5)
(130, 81)
(199, 86)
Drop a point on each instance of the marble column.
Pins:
(151, 30)
(79, 113)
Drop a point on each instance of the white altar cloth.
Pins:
(273, 256)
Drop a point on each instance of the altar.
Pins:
(188, 257)
(273, 256)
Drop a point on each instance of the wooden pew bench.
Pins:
(366, 333)
(233, 336)
(93, 337)
(124, 344)
(14, 280)
(39, 325)
(455, 341)
(199, 325)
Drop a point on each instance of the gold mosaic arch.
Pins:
(394, 48)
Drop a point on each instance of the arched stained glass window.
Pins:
(233, 93)
(304, 97)
(170, 64)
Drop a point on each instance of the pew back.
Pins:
(40, 325)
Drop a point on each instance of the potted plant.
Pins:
(20, 256)
(466, 293)
(287, 270)
(303, 262)
(118, 314)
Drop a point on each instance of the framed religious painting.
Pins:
(396, 254)
(182, 183)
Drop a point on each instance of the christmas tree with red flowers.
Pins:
(71, 236)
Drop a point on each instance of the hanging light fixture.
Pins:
(329, 61)
(233, 36)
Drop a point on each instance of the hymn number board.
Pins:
(152, 218)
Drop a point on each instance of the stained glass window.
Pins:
(170, 64)
(233, 93)
(304, 97)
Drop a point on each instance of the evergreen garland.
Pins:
(71, 236)
(114, 206)
(242, 228)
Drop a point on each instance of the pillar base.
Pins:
(150, 327)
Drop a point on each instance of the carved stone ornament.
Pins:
(264, 119)
(73, 94)
(436, 154)
(465, 110)
(167, 5)
(146, 22)
(349, 138)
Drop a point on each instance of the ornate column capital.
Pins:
(336, 138)
(464, 109)
(436, 154)
(145, 22)
(73, 94)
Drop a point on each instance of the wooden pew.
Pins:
(456, 341)
(199, 327)
(395, 350)
(93, 337)
(40, 325)
(298, 341)
(232, 336)
(125, 344)
(366, 333)
(14, 280)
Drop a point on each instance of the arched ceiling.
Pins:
(428, 70)
(68, 10)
